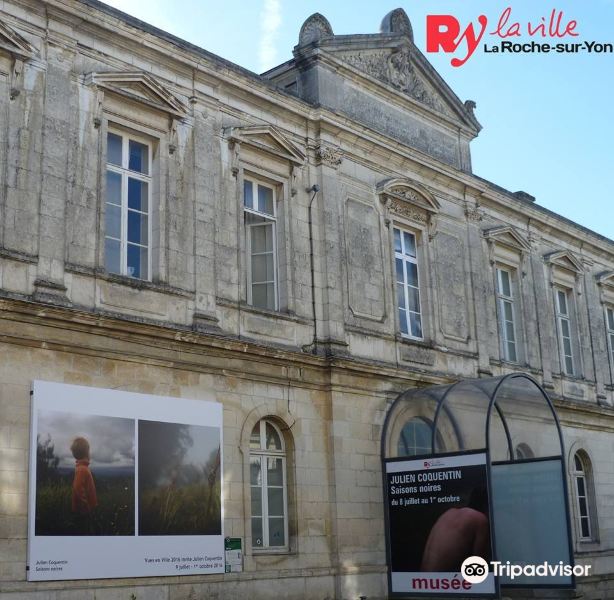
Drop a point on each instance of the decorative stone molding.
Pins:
(397, 70)
(507, 236)
(264, 138)
(564, 259)
(13, 43)
(21, 51)
(331, 156)
(397, 21)
(605, 282)
(140, 87)
(411, 201)
(474, 214)
(314, 28)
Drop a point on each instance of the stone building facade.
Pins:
(305, 244)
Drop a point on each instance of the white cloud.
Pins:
(270, 22)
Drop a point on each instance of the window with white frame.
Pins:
(583, 491)
(610, 329)
(127, 247)
(507, 314)
(261, 244)
(268, 487)
(407, 284)
(565, 329)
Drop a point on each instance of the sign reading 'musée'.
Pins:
(438, 516)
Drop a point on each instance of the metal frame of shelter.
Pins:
(493, 415)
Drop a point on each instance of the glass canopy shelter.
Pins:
(513, 421)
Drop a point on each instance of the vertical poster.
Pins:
(123, 484)
(438, 516)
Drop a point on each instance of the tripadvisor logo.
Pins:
(474, 569)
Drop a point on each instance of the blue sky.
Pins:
(548, 125)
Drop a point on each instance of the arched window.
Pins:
(523, 451)
(268, 486)
(583, 489)
(415, 438)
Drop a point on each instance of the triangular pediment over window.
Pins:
(15, 44)
(140, 87)
(506, 235)
(606, 279)
(565, 260)
(406, 191)
(267, 139)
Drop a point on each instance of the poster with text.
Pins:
(123, 484)
(438, 516)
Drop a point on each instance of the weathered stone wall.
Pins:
(63, 318)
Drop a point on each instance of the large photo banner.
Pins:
(123, 484)
(438, 516)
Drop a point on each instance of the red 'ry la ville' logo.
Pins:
(443, 32)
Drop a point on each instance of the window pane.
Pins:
(412, 274)
(567, 346)
(137, 262)
(509, 332)
(611, 319)
(583, 509)
(562, 302)
(565, 327)
(259, 268)
(137, 194)
(271, 302)
(568, 365)
(255, 472)
(276, 532)
(114, 187)
(400, 295)
(397, 240)
(138, 232)
(511, 352)
(505, 283)
(138, 157)
(578, 462)
(257, 532)
(414, 299)
(399, 267)
(248, 198)
(580, 486)
(113, 221)
(275, 473)
(586, 532)
(276, 502)
(114, 149)
(416, 325)
(273, 441)
(256, 493)
(259, 295)
(410, 243)
(403, 321)
(265, 200)
(507, 311)
(254, 440)
(112, 256)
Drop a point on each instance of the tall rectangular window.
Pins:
(506, 312)
(563, 316)
(127, 248)
(261, 244)
(407, 284)
(610, 326)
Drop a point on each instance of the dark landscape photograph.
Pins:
(179, 479)
(84, 475)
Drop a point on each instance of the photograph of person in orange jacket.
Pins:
(83, 488)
